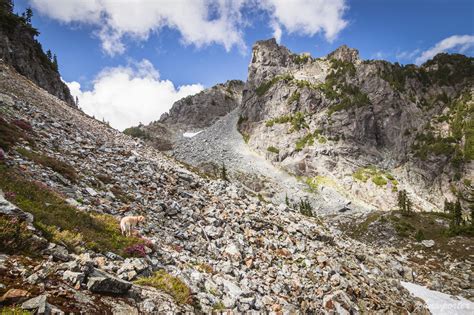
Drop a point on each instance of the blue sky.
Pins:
(180, 47)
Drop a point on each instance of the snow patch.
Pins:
(440, 303)
(191, 134)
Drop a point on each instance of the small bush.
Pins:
(308, 139)
(15, 238)
(165, 282)
(379, 180)
(13, 310)
(10, 134)
(136, 250)
(246, 137)
(360, 175)
(419, 236)
(264, 87)
(300, 59)
(305, 208)
(136, 132)
(273, 149)
(23, 124)
(295, 97)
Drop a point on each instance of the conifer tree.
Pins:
(49, 55)
(457, 214)
(224, 173)
(28, 15)
(55, 63)
(402, 206)
(408, 205)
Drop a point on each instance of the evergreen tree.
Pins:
(224, 173)
(408, 205)
(55, 63)
(402, 201)
(7, 5)
(305, 208)
(49, 55)
(472, 215)
(28, 15)
(287, 201)
(77, 101)
(457, 214)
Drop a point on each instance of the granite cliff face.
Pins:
(19, 48)
(192, 114)
(369, 127)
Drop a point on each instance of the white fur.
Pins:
(128, 223)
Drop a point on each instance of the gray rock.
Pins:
(101, 282)
(428, 243)
(9, 209)
(73, 277)
(39, 305)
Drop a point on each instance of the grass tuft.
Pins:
(169, 284)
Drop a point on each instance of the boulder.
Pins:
(14, 296)
(428, 243)
(101, 282)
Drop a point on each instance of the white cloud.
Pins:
(308, 17)
(128, 95)
(200, 22)
(456, 42)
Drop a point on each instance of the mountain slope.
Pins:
(370, 126)
(221, 247)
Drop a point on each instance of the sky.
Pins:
(128, 61)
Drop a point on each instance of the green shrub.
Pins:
(300, 59)
(165, 282)
(52, 213)
(379, 180)
(264, 87)
(15, 238)
(322, 140)
(13, 310)
(246, 137)
(308, 139)
(273, 149)
(298, 122)
(295, 97)
(419, 236)
(360, 175)
(136, 132)
(58, 166)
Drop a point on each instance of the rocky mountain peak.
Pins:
(191, 114)
(268, 58)
(345, 53)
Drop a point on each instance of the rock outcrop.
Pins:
(19, 48)
(330, 119)
(192, 114)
